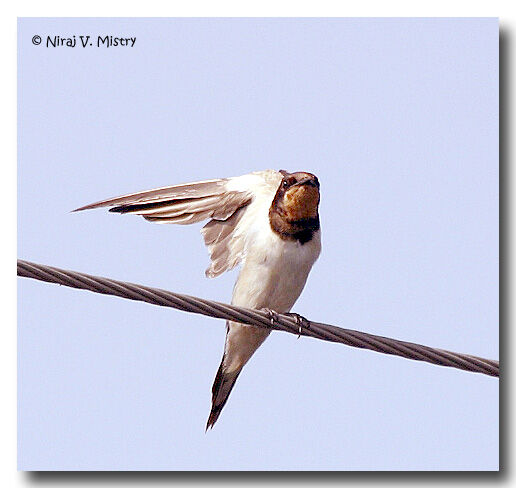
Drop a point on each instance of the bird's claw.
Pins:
(271, 315)
(301, 322)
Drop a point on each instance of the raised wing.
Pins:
(179, 204)
(224, 201)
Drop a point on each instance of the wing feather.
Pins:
(175, 192)
(182, 219)
(223, 202)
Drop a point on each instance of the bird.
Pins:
(267, 222)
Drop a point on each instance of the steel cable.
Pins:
(259, 318)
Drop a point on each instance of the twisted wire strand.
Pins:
(258, 318)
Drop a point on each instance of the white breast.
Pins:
(274, 271)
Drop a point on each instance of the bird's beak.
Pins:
(309, 180)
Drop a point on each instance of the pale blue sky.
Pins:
(399, 120)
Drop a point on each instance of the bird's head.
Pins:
(297, 197)
(294, 212)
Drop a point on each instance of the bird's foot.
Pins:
(301, 322)
(271, 315)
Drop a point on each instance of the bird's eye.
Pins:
(285, 183)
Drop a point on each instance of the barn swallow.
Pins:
(268, 222)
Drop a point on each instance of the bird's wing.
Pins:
(178, 204)
(224, 201)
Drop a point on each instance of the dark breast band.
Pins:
(293, 230)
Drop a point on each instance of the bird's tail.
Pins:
(221, 389)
